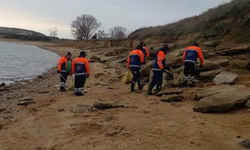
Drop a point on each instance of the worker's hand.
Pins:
(87, 76)
(163, 70)
(58, 71)
(201, 66)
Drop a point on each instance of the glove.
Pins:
(58, 71)
(87, 76)
(201, 66)
(163, 70)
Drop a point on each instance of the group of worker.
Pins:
(140, 55)
(79, 67)
(137, 57)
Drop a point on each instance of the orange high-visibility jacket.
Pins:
(147, 51)
(63, 64)
(192, 53)
(135, 59)
(80, 66)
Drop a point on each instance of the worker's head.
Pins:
(140, 46)
(82, 54)
(68, 56)
(165, 48)
(196, 44)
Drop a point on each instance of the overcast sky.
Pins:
(40, 15)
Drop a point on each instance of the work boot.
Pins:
(150, 88)
(132, 87)
(141, 86)
(62, 89)
(158, 90)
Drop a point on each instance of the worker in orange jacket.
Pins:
(158, 70)
(190, 56)
(135, 59)
(64, 69)
(81, 70)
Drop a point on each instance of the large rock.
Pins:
(172, 98)
(222, 62)
(235, 50)
(239, 64)
(209, 75)
(147, 68)
(170, 91)
(211, 91)
(225, 100)
(209, 65)
(226, 77)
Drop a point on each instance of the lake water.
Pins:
(20, 62)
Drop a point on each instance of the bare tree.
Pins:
(53, 32)
(118, 32)
(101, 34)
(84, 27)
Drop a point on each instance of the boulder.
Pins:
(225, 77)
(170, 91)
(225, 100)
(222, 62)
(209, 75)
(147, 69)
(211, 43)
(174, 58)
(81, 108)
(235, 50)
(211, 91)
(208, 65)
(239, 64)
(172, 98)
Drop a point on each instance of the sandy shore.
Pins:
(147, 123)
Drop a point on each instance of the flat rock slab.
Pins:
(170, 92)
(172, 98)
(211, 91)
(226, 77)
(225, 100)
(222, 62)
(81, 108)
(108, 105)
(247, 104)
(209, 75)
(25, 101)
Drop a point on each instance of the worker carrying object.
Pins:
(64, 69)
(81, 70)
(189, 59)
(135, 59)
(158, 70)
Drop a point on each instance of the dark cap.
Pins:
(196, 44)
(82, 54)
(68, 54)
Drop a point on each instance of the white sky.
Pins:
(40, 15)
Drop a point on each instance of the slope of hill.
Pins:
(6, 31)
(230, 19)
